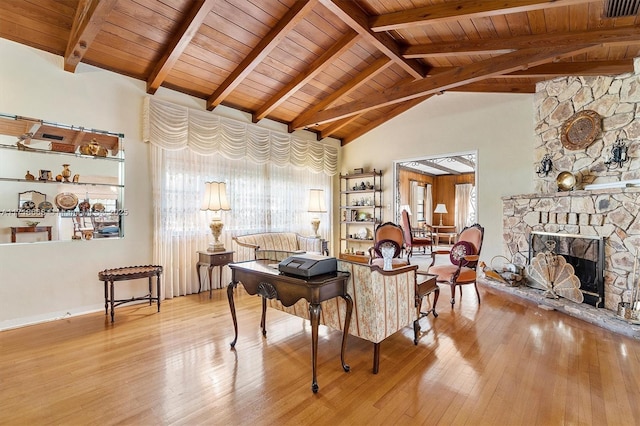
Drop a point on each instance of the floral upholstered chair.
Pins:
(384, 302)
(463, 261)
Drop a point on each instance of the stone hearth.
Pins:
(601, 317)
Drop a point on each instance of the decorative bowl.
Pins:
(31, 223)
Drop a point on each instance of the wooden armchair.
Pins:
(411, 241)
(385, 233)
(463, 261)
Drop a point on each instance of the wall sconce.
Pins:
(545, 166)
(618, 155)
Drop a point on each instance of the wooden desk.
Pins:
(211, 259)
(20, 229)
(129, 273)
(259, 278)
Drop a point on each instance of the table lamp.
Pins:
(215, 199)
(440, 208)
(316, 205)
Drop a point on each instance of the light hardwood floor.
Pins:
(504, 362)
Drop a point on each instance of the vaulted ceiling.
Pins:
(336, 67)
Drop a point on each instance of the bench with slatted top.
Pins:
(109, 276)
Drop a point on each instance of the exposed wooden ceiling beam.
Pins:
(178, 43)
(336, 126)
(316, 67)
(489, 86)
(460, 76)
(388, 115)
(358, 20)
(290, 19)
(593, 68)
(353, 83)
(608, 36)
(563, 69)
(446, 12)
(89, 18)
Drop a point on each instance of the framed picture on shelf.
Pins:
(358, 170)
(44, 175)
(354, 215)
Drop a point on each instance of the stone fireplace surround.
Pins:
(612, 213)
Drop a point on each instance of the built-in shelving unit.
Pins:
(360, 212)
(46, 162)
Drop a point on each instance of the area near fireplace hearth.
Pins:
(611, 211)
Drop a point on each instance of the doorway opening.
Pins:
(439, 190)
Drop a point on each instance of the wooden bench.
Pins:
(125, 274)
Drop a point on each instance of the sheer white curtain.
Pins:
(463, 205)
(264, 196)
(414, 199)
(428, 205)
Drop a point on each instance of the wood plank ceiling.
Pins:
(336, 67)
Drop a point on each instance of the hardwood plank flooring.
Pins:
(504, 362)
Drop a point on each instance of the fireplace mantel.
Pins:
(576, 193)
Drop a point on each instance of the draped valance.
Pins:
(174, 127)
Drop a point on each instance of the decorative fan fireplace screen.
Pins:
(584, 253)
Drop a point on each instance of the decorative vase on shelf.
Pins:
(29, 176)
(65, 172)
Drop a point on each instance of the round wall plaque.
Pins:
(580, 130)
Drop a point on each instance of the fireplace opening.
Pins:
(584, 253)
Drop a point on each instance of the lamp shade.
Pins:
(406, 207)
(440, 208)
(215, 197)
(316, 201)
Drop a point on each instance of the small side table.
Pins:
(211, 259)
(425, 285)
(129, 273)
(20, 229)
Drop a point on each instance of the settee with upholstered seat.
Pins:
(276, 246)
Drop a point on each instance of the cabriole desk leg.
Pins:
(232, 306)
(314, 315)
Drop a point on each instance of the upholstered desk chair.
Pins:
(410, 241)
(385, 233)
(463, 261)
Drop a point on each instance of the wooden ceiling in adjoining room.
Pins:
(336, 67)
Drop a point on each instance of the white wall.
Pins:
(55, 279)
(500, 127)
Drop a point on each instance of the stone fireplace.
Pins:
(610, 211)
